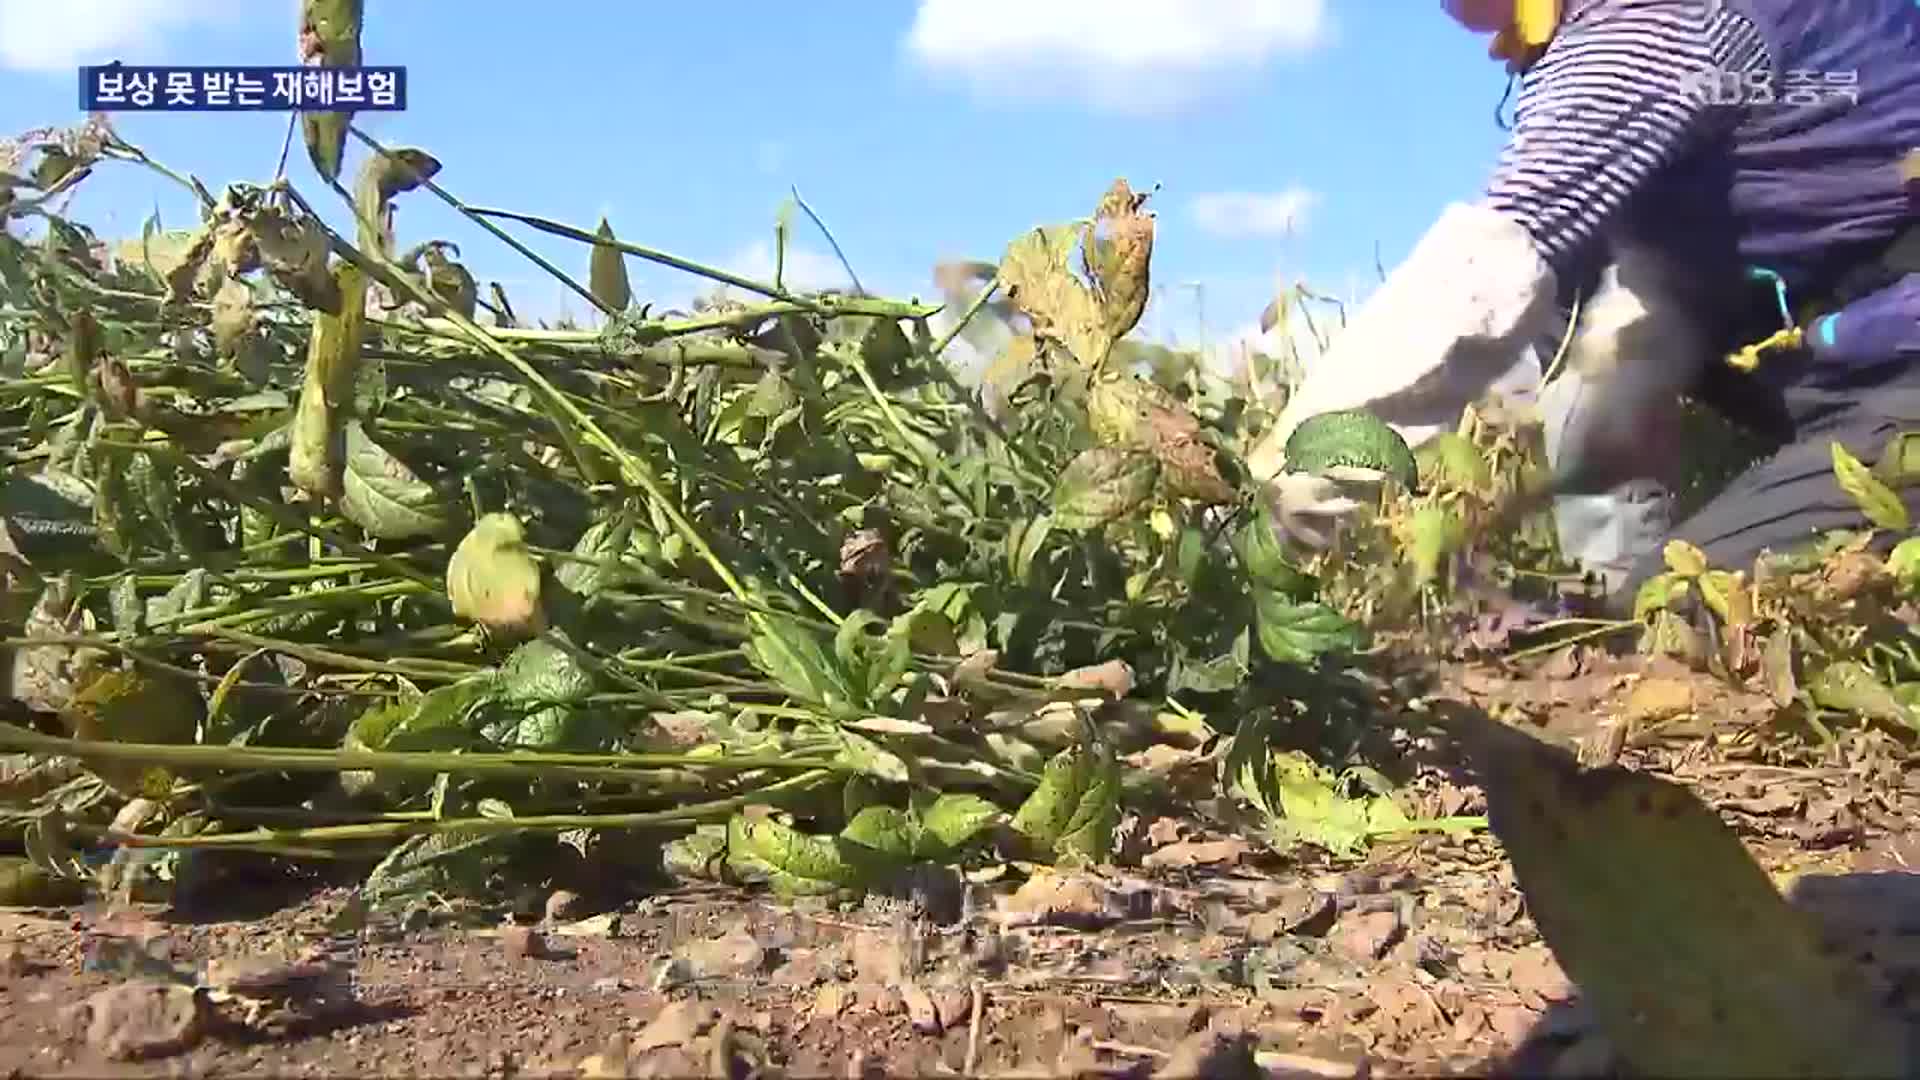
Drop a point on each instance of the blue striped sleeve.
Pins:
(1612, 101)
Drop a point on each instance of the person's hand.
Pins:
(1451, 319)
(1613, 415)
(1309, 508)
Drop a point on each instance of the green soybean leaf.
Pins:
(950, 821)
(1899, 464)
(123, 599)
(885, 829)
(1266, 559)
(602, 542)
(1450, 460)
(792, 655)
(548, 683)
(542, 670)
(1850, 686)
(1658, 592)
(447, 865)
(1300, 633)
(1024, 541)
(792, 862)
(1313, 810)
(437, 720)
(924, 631)
(1074, 810)
(185, 595)
(696, 856)
(873, 659)
(1218, 675)
(385, 497)
(1437, 532)
(862, 755)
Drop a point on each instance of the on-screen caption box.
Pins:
(232, 88)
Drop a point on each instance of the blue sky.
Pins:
(1289, 137)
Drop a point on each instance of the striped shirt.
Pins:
(1616, 97)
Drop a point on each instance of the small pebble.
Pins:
(1368, 935)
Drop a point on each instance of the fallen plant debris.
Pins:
(323, 567)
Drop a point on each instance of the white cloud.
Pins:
(1250, 213)
(1127, 55)
(56, 37)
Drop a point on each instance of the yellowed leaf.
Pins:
(1652, 700)
(1656, 593)
(232, 316)
(1876, 500)
(1038, 274)
(1685, 559)
(316, 453)
(607, 271)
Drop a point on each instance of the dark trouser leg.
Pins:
(1790, 497)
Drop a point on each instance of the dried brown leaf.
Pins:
(1849, 575)
(120, 395)
(294, 250)
(1118, 252)
(1114, 679)
(1190, 469)
(382, 177)
(234, 247)
(232, 316)
(450, 281)
(1227, 852)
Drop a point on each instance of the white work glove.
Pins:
(1613, 414)
(1444, 325)
(1612, 418)
(1308, 506)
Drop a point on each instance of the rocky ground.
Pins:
(1208, 956)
